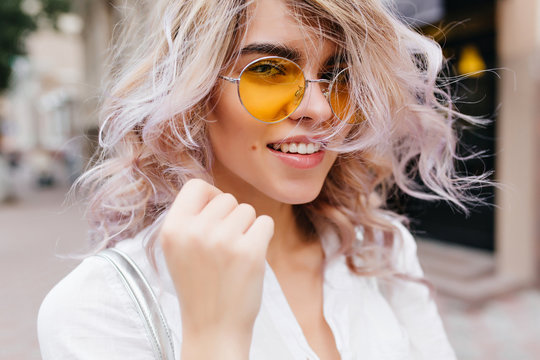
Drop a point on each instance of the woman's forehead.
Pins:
(271, 24)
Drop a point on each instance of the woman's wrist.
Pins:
(214, 344)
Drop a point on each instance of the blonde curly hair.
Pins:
(154, 133)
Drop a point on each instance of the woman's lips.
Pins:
(299, 161)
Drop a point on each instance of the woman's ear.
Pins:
(210, 104)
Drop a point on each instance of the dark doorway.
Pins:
(471, 29)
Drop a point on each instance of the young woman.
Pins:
(250, 148)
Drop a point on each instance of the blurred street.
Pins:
(36, 231)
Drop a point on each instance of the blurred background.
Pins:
(53, 58)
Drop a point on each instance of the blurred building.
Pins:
(502, 37)
(40, 121)
(477, 35)
(518, 134)
(102, 19)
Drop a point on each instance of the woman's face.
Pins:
(245, 160)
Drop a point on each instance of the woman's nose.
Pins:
(314, 104)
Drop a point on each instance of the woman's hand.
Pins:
(215, 250)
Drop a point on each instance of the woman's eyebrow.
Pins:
(335, 59)
(272, 50)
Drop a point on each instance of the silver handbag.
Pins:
(145, 301)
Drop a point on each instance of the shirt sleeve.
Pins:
(415, 307)
(89, 315)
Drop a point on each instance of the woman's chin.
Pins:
(296, 196)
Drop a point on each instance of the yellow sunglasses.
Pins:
(271, 89)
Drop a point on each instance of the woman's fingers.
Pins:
(261, 232)
(193, 198)
(218, 208)
(240, 219)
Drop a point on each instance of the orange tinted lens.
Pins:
(271, 88)
(341, 101)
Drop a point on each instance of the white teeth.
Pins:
(300, 148)
(293, 148)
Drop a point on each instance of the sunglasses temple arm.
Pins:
(230, 79)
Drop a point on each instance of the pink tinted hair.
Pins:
(154, 137)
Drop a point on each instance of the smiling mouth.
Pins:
(296, 148)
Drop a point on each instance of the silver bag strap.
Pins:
(145, 301)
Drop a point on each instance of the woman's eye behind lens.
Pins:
(267, 68)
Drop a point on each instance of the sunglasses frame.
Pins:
(306, 84)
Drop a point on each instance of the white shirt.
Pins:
(89, 314)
